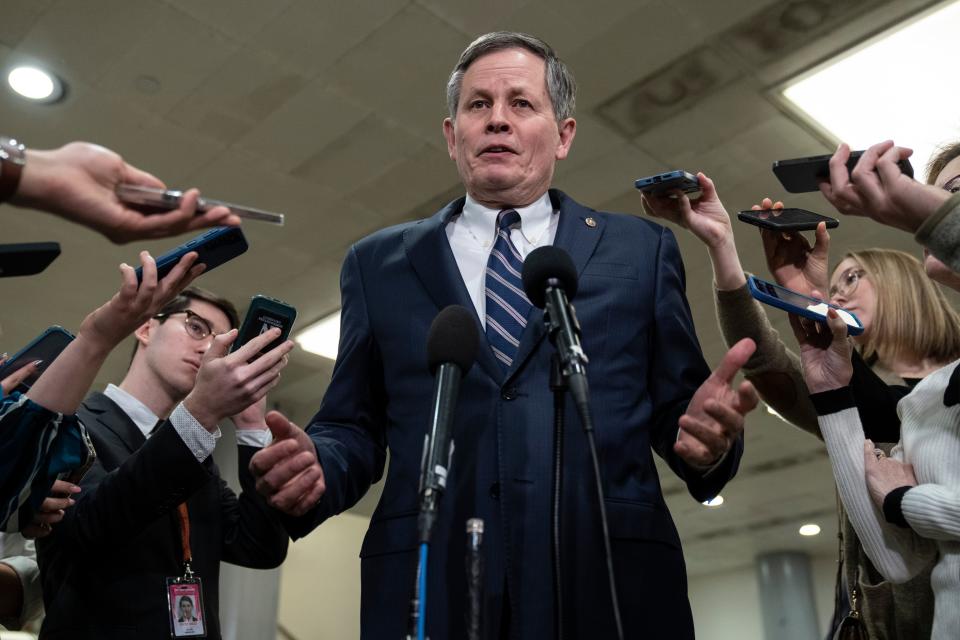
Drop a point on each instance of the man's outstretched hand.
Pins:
(287, 472)
(714, 417)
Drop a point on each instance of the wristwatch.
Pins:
(13, 157)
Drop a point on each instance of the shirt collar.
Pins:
(534, 218)
(142, 416)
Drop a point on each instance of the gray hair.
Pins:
(561, 86)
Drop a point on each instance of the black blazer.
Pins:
(103, 567)
(645, 364)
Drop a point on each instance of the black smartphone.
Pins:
(47, 346)
(664, 182)
(803, 175)
(214, 247)
(27, 258)
(788, 219)
(264, 314)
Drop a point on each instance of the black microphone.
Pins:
(451, 349)
(550, 282)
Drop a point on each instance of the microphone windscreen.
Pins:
(453, 338)
(543, 264)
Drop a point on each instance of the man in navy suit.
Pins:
(511, 104)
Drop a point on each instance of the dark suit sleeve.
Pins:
(253, 535)
(677, 369)
(113, 508)
(348, 430)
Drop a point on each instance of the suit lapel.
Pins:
(115, 420)
(578, 233)
(432, 259)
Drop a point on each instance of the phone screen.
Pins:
(46, 347)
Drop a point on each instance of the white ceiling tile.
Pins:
(304, 125)
(359, 155)
(240, 19)
(155, 75)
(19, 17)
(239, 94)
(84, 39)
(313, 34)
(476, 18)
(401, 69)
(604, 176)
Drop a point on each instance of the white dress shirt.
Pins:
(472, 234)
(200, 441)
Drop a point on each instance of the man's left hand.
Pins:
(884, 474)
(714, 418)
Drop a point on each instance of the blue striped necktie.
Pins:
(507, 304)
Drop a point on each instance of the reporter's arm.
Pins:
(940, 233)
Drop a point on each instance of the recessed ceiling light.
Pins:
(35, 84)
(892, 87)
(810, 530)
(322, 337)
(715, 502)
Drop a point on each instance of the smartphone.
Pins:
(214, 248)
(662, 183)
(47, 346)
(789, 219)
(804, 175)
(799, 304)
(152, 200)
(27, 258)
(264, 314)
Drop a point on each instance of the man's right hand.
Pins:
(228, 383)
(288, 473)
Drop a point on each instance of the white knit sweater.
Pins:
(930, 441)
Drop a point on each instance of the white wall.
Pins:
(726, 605)
(320, 582)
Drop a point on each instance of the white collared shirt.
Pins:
(472, 233)
(200, 441)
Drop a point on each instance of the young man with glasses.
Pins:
(154, 434)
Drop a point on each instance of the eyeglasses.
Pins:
(847, 283)
(197, 326)
(952, 185)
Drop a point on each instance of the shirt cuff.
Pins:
(833, 401)
(200, 441)
(893, 507)
(258, 438)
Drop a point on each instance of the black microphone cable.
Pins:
(550, 282)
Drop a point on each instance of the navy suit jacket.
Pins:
(645, 364)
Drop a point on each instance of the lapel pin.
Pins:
(590, 222)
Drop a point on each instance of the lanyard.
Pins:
(184, 517)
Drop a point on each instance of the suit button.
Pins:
(510, 393)
(495, 491)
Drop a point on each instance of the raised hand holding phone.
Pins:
(792, 262)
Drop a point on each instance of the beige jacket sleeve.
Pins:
(773, 369)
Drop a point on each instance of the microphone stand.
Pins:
(564, 332)
(559, 386)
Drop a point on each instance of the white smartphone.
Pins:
(166, 199)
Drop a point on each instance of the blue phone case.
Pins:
(662, 182)
(214, 247)
(767, 293)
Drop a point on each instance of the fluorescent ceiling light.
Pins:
(35, 84)
(715, 502)
(810, 530)
(322, 337)
(897, 86)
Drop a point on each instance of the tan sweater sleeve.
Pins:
(773, 369)
(941, 233)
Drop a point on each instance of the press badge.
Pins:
(185, 607)
(185, 593)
